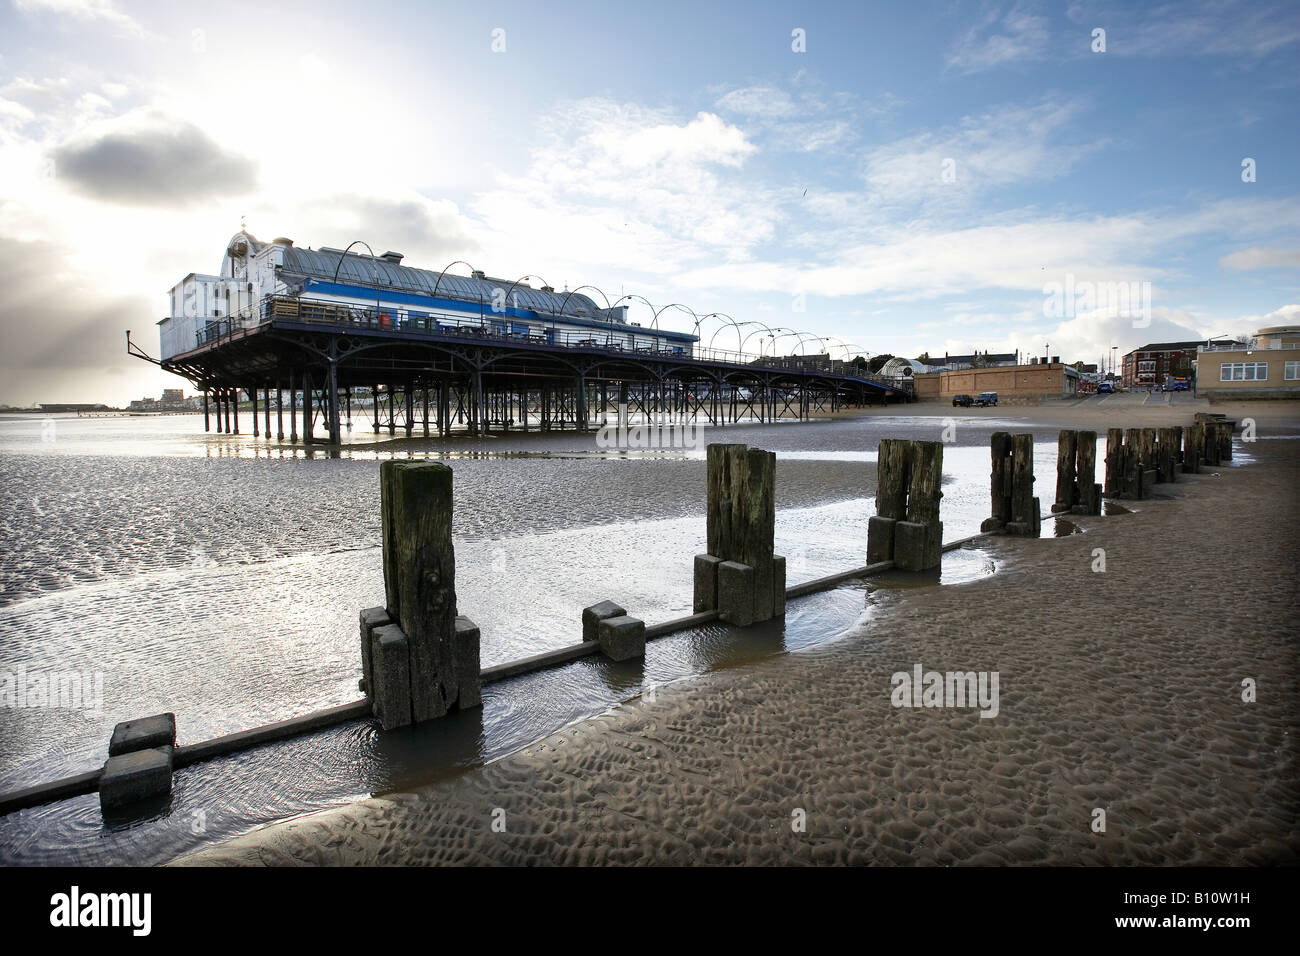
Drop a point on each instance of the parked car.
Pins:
(1105, 388)
(962, 401)
(1176, 387)
(986, 399)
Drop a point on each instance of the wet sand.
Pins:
(1118, 690)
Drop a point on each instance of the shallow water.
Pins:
(220, 577)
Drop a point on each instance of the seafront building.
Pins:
(1015, 384)
(1266, 366)
(1159, 364)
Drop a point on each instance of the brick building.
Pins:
(1155, 363)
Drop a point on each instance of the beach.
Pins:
(1120, 691)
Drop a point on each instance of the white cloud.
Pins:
(1219, 29)
(1010, 144)
(1016, 36)
(768, 102)
(83, 10)
(1255, 258)
(631, 188)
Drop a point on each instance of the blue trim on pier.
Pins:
(486, 310)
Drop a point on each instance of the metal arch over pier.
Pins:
(414, 374)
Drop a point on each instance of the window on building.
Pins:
(1291, 371)
(1243, 371)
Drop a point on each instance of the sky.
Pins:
(920, 177)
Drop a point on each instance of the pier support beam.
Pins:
(336, 436)
(307, 430)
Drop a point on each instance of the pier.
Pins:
(318, 334)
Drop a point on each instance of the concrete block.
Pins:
(135, 776)
(143, 734)
(371, 618)
(621, 638)
(592, 616)
(391, 670)
(778, 586)
(993, 524)
(706, 582)
(1018, 527)
(880, 539)
(736, 593)
(470, 686)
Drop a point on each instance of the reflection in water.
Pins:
(1064, 528)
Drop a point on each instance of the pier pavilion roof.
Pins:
(363, 270)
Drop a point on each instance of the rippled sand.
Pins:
(1119, 690)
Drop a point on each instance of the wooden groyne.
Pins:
(420, 657)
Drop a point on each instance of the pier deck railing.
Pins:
(498, 328)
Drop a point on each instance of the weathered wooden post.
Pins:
(1000, 445)
(1167, 455)
(1067, 444)
(1132, 486)
(740, 577)
(918, 541)
(1193, 435)
(1089, 493)
(420, 659)
(1148, 455)
(1209, 443)
(1115, 461)
(1025, 516)
(893, 475)
(1225, 429)
(1015, 509)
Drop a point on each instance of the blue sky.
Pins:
(684, 152)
